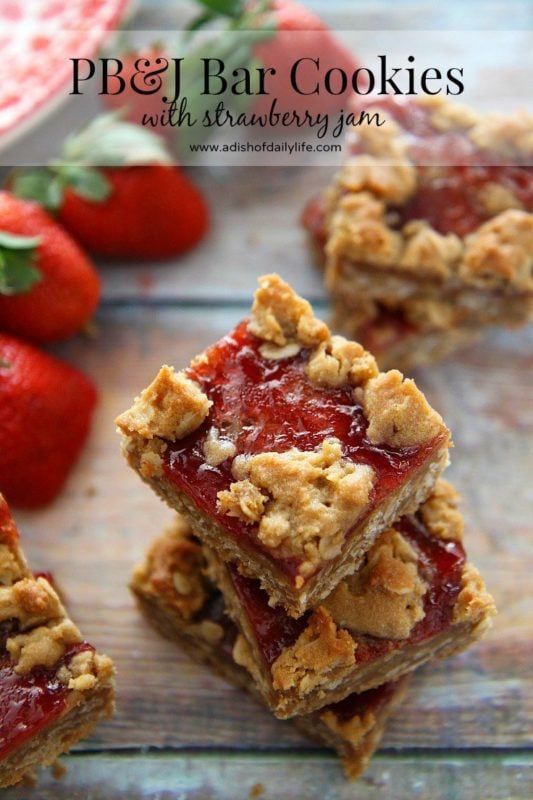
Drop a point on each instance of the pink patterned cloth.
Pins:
(37, 38)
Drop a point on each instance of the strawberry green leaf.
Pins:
(17, 255)
(226, 8)
(13, 241)
(88, 182)
(108, 141)
(202, 19)
(39, 185)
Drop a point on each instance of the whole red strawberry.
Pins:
(45, 413)
(137, 206)
(151, 212)
(48, 287)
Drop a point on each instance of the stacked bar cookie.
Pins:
(426, 233)
(318, 558)
(54, 686)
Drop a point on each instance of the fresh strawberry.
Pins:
(48, 287)
(152, 212)
(299, 33)
(123, 209)
(45, 413)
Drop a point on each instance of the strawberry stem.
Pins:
(107, 141)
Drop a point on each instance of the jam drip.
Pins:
(440, 565)
(29, 703)
(265, 405)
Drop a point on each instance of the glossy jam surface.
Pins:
(452, 171)
(28, 703)
(265, 405)
(440, 565)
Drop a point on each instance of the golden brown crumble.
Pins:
(496, 198)
(339, 362)
(501, 251)
(423, 245)
(440, 512)
(171, 407)
(151, 463)
(359, 232)
(174, 568)
(42, 646)
(445, 116)
(352, 730)
(393, 183)
(385, 597)
(474, 605)
(383, 141)
(398, 413)
(507, 135)
(11, 569)
(244, 501)
(280, 316)
(304, 502)
(424, 312)
(209, 631)
(321, 655)
(85, 669)
(243, 656)
(29, 601)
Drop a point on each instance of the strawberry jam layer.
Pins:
(451, 201)
(440, 565)
(270, 406)
(452, 172)
(29, 703)
(358, 704)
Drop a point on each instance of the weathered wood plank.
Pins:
(255, 229)
(91, 537)
(223, 776)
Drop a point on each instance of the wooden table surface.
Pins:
(464, 730)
